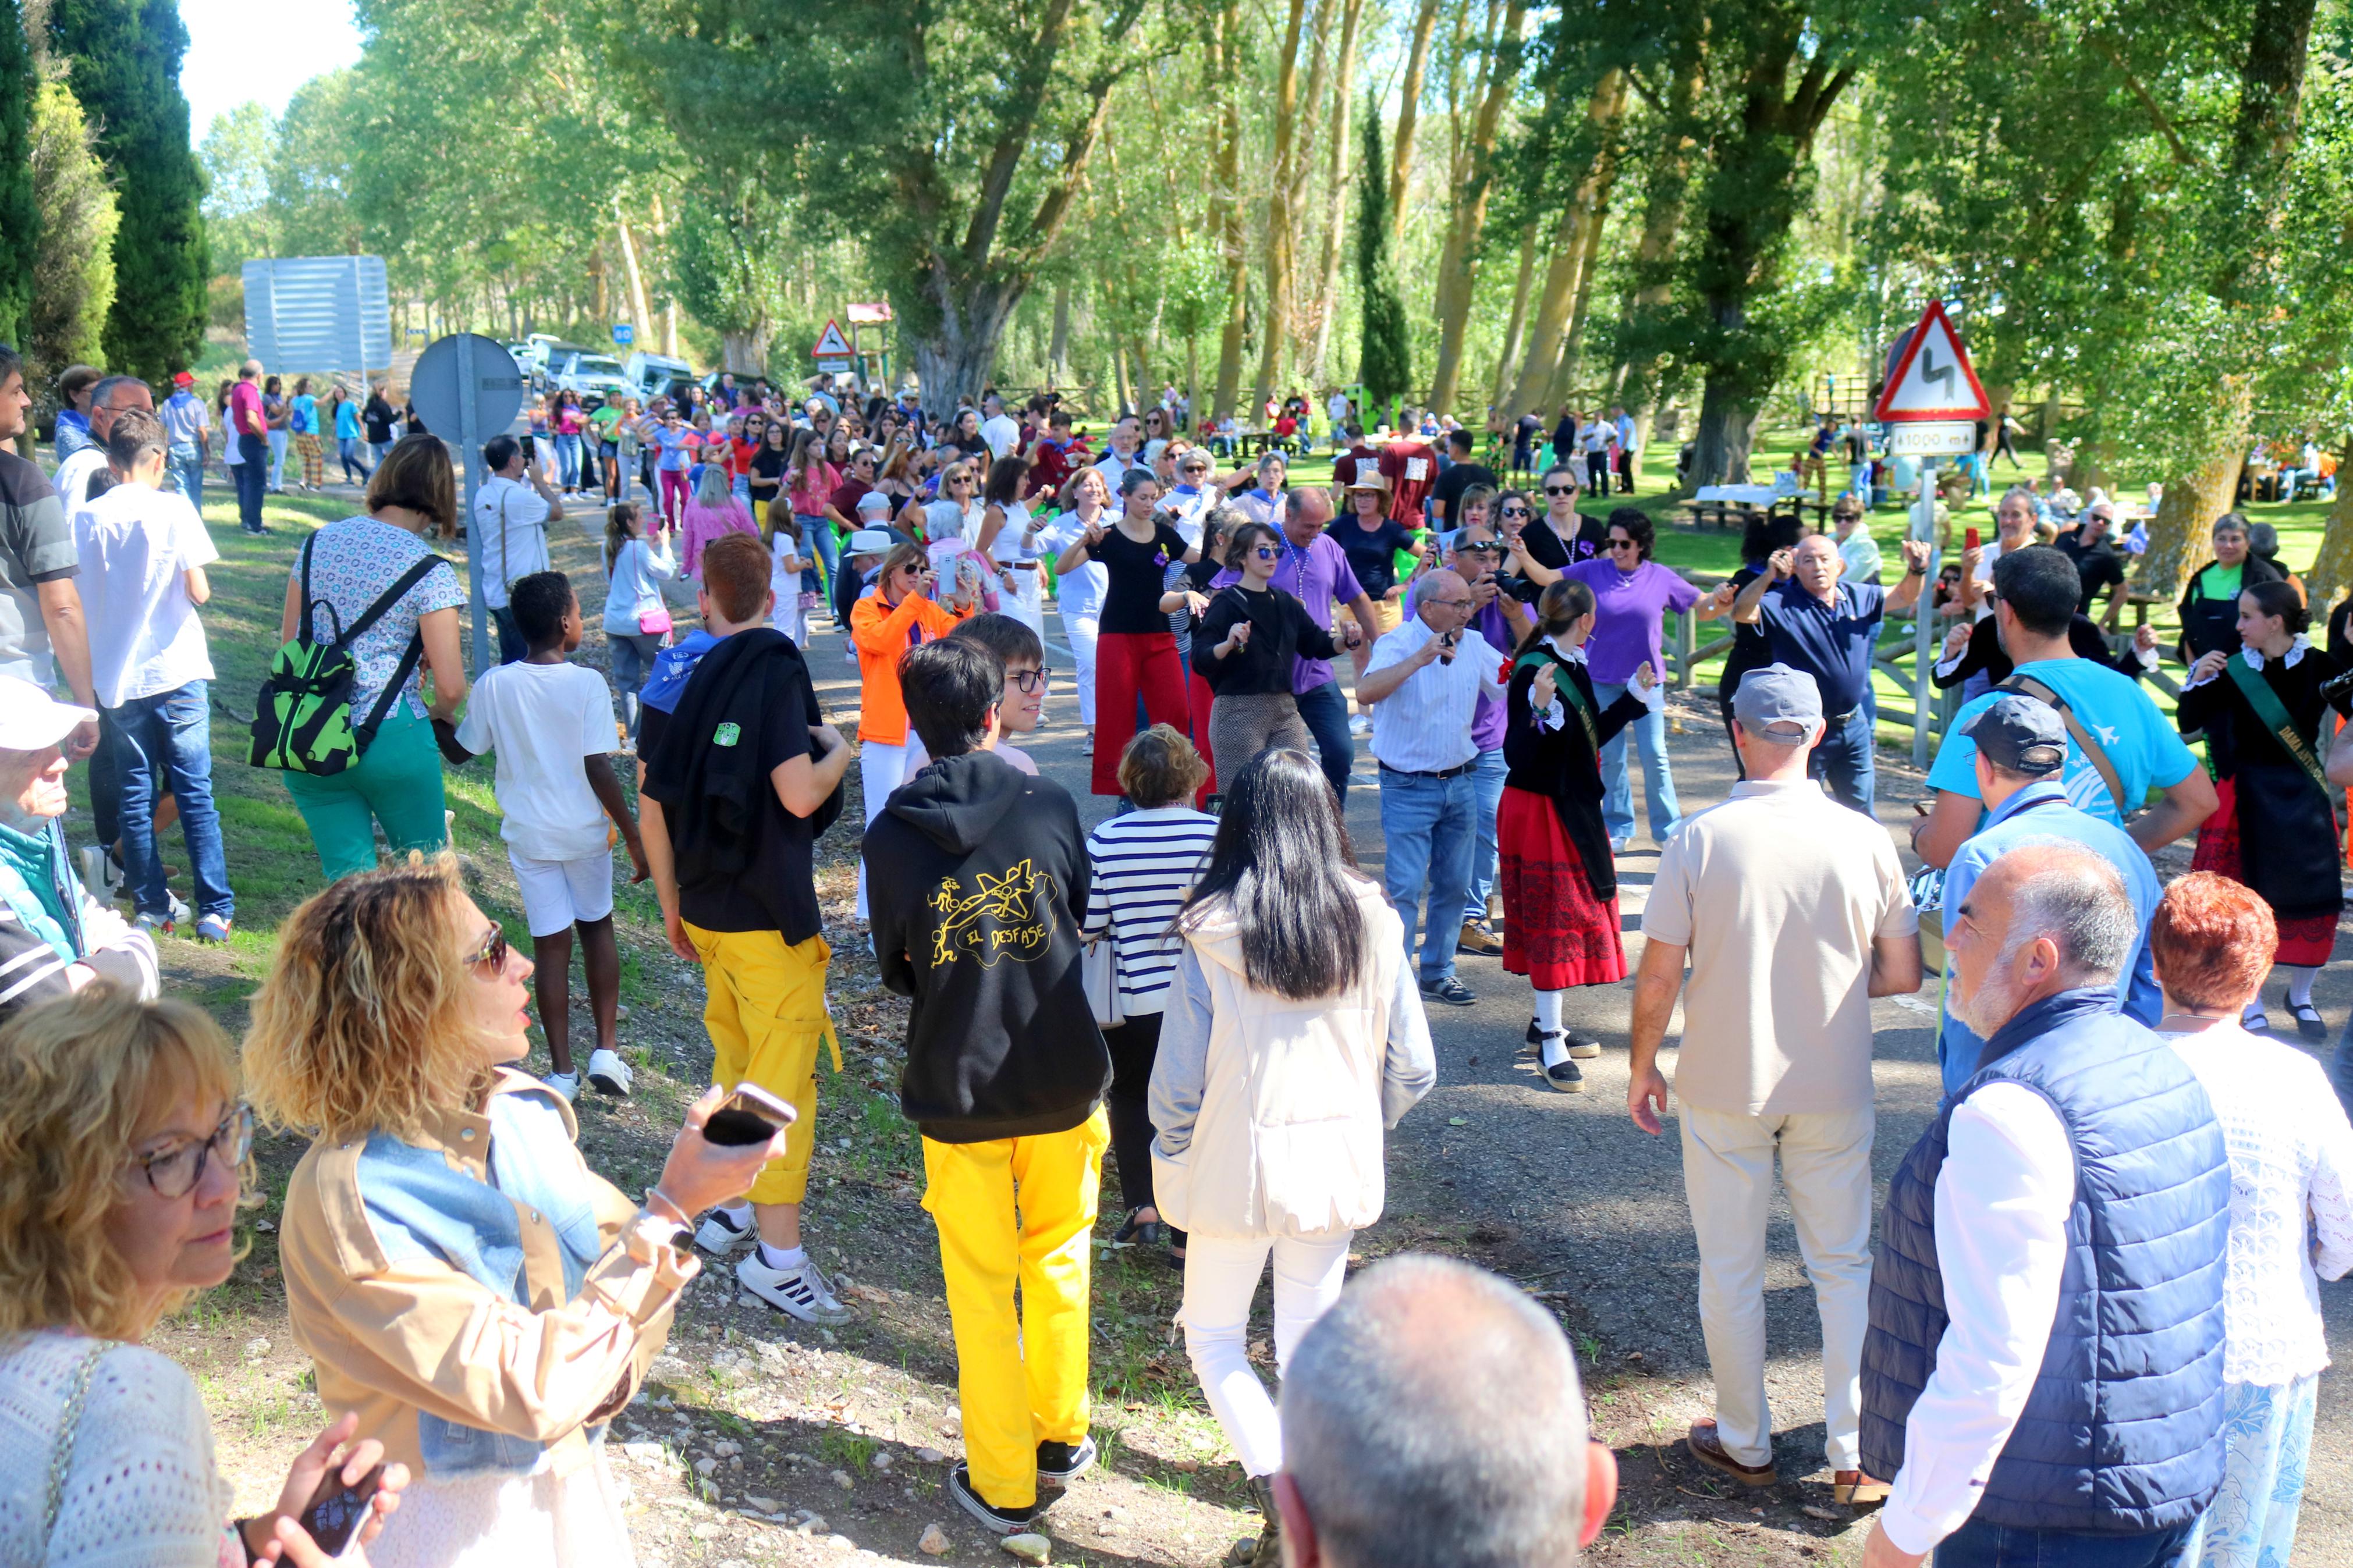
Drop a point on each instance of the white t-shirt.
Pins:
(542, 719)
(1002, 432)
(73, 475)
(1338, 409)
(512, 520)
(136, 544)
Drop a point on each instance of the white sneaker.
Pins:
(1359, 726)
(609, 1073)
(720, 1236)
(803, 1292)
(100, 874)
(567, 1084)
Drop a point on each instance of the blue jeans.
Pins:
(252, 479)
(1649, 732)
(633, 658)
(568, 460)
(511, 646)
(165, 744)
(818, 544)
(1844, 763)
(1490, 775)
(1325, 712)
(1980, 1545)
(350, 449)
(185, 463)
(1426, 839)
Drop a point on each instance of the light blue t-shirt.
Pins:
(2040, 811)
(347, 421)
(2141, 743)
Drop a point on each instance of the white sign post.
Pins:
(1931, 401)
(469, 388)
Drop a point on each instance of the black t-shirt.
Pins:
(2095, 564)
(1138, 571)
(768, 463)
(377, 416)
(730, 899)
(1372, 556)
(1458, 478)
(1548, 548)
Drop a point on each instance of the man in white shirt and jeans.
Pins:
(512, 512)
(998, 427)
(1791, 921)
(1423, 686)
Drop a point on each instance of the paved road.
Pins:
(1563, 1191)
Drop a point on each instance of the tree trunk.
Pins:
(1225, 206)
(1569, 249)
(2193, 500)
(1518, 321)
(1337, 183)
(1727, 426)
(746, 353)
(1458, 264)
(1278, 216)
(1662, 219)
(1417, 64)
(2332, 568)
(1058, 348)
(1565, 378)
(954, 361)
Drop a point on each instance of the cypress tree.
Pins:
(1386, 366)
(124, 58)
(20, 220)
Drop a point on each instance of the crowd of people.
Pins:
(2100, 1347)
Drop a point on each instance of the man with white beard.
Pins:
(2042, 1375)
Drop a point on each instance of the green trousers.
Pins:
(396, 782)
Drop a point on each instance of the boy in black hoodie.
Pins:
(975, 874)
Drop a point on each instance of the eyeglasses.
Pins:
(1515, 511)
(1265, 551)
(1030, 681)
(490, 958)
(1623, 544)
(1488, 549)
(1560, 489)
(174, 1173)
(1193, 468)
(960, 479)
(1449, 604)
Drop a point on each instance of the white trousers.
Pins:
(1728, 1178)
(1081, 630)
(881, 769)
(1221, 1276)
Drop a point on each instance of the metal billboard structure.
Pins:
(318, 314)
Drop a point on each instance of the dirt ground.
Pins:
(761, 1440)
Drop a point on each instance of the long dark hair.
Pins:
(1561, 605)
(1281, 858)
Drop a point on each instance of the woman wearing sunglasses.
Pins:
(1244, 648)
(459, 1275)
(1560, 536)
(122, 1157)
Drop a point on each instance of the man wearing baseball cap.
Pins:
(187, 425)
(1793, 922)
(2022, 748)
(54, 938)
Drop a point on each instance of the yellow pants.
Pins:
(766, 1011)
(1388, 615)
(1018, 1211)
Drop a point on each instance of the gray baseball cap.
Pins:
(1780, 704)
(2020, 734)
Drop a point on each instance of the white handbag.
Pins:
(1098, 967)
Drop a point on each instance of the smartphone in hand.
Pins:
(335, 1513)
(749, 1115)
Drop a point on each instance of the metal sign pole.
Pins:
(469, 447)
(1924, 634)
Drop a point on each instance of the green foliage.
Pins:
(123, 59)
(235, 157)
(1386, 366)
(73, 272)
(20, 228)
(728, 264)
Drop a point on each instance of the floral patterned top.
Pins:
(352, 563)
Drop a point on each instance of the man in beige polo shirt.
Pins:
(1793, 915)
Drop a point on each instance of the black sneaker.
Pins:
(1003, 1520)
(1132, 1232)
(1449, 990)
(1061, 1463)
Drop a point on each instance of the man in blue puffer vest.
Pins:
(2042, 1374)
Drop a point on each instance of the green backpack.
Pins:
(302, 719)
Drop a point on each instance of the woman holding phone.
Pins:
(459, 1276)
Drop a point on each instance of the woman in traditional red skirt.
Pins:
(2275, 828)
(1559, 883)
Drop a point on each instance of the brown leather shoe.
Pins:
(1708, 1449)
(1477, 939)
(1859, 1489)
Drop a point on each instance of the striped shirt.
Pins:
(1143, 865)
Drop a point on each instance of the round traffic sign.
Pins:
(433, 386)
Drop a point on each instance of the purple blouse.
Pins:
(1626, 619)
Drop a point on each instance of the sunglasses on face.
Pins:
(1560, 489)
(1515, 511)
(1490, 549)
(1265, 551)
(1622, 545)
(174, 1173)
(490, 958)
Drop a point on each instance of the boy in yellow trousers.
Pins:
(975, 873)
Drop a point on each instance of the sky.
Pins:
(240, 49)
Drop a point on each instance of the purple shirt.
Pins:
(1487, 721)
(1626, 626)
(1314, 576)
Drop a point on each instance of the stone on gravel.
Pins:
(1814, 1511)
(707, 1530)
(762, 1504)
(934, 1542)
(930, 1457)
(705, 1467)
(1028, 1547)
(841, 1479)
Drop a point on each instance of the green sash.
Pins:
(2273, 715)
(1570, 693)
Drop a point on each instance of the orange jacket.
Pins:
(883, 636)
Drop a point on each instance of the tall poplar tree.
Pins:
(20, 228)
(1386, 367)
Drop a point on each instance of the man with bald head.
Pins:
(1828, 628)
(2042, 1375)
(1432, 1419)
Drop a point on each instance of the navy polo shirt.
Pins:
(1831, 642)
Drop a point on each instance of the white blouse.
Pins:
(2291, 1213)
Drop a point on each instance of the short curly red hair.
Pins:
(2212, 940)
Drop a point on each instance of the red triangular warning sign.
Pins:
(1931, 378)
(830, 343)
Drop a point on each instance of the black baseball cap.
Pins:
(2020, 734)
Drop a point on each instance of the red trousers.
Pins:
(1127, 664)
(1198, 690)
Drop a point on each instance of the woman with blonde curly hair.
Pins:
(458, 1274)
(123, 1146)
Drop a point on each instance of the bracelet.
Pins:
(660, 1204)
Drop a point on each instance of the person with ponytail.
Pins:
(1559, 882)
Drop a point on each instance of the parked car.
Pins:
(653, 376)
(597, 377)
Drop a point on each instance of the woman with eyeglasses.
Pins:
(1191, 496)
(1009, 536)
(1244, 648)
(458, 1274)
(123, 1156)
(883, 624)
(1079, 593)
(1263, 500)
(1560, 536)
(1135, 656)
